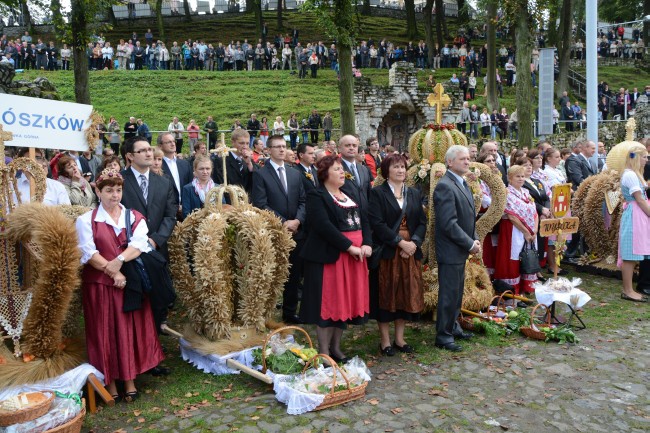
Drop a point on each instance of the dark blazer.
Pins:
(538, 194)
(384, 211)
(184, 175)
(503, 168)
(191, 200)
(577, 170)
(308, 184)
(159, 209)
(360, 194)
(243, 178)
(268, 193)
(324, 241)
(455, 221)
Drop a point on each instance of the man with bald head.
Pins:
(357, 183)
(492, 148)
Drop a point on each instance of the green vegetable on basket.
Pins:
(488, 327)
(562, 334)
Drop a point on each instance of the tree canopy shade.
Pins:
(619, 11)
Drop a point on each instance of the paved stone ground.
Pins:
(598, 385)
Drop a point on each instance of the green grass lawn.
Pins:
(158, 96)
(188, 389)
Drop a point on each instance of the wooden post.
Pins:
(32, 182)
(94, 385)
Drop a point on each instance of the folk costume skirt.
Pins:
(507, 266)
(120, 345)
(336, 294)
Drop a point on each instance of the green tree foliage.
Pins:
(618, 11)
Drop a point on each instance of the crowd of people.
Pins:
(353, 241)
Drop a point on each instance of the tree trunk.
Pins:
(492, 100)
(26, 15)
(524, 94)
(366, 9)
(346, 90)
(258, 18)
(439, 22)
(428, 32)
(564, 47)
(250, 5)
(411, 24)
(159, 18)
(463, 13)
(111, 15)
(188, 12)
(552, 34)
(78, 26)
(57, 17)
(280, 26)
(646, 24)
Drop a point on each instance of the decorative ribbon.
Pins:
(73, 396)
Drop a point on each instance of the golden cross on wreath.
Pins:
(440, 100)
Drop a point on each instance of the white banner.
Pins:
(43, 123)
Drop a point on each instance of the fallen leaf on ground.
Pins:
(137, 412)
(255, 418)
(141, 420)
(373, 401)
(397, 410)
(366, 421)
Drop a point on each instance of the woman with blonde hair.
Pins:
(633, 238)
(156, 166)
(278, 126)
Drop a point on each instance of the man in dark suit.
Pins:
(153, 196)
(578, 168)
(177, 169)
(280, 190)
(492, 148)
(306, 157)
(357, 183)
(455, 240)
(239, 163)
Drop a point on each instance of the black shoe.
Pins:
(541, 279)
(132, 396)
(292, 318)
(404, 349)
(522, 304)
(339, 360)
(159, 371)
(562, 272)
(452, 347)
(644, 291)
(386, 351)
(464, 335)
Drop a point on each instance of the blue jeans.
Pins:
(328, 135)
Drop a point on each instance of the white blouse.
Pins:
(139, 240)
(555, 176)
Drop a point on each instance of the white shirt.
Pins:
(555, 176)
(55, 193)
(177, 129)
(282, 174)
(173, 168)
(352, 166)
(139, 240)
(137, 175)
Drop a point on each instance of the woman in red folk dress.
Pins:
(120, 344)
(519, 225)
(336, 291)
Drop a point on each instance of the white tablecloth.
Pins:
(576, 297)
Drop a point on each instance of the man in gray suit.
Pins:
(357, 184)
(455, 234)
(280, 189)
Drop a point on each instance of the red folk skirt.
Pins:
(506, 269)
(120, 345)
(345, 293)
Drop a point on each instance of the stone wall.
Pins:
(39, 88)
(373, 103)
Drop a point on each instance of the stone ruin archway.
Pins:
(393, 112)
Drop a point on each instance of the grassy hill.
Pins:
(157, 96)
(239, 27)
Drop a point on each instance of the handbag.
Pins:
(139, 264)
(529, 260)
(375, 258)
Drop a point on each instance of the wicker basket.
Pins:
(467, 322)
(74, 425)
(335, 398)
(532, 331)
(8, 418)
(276, 331)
